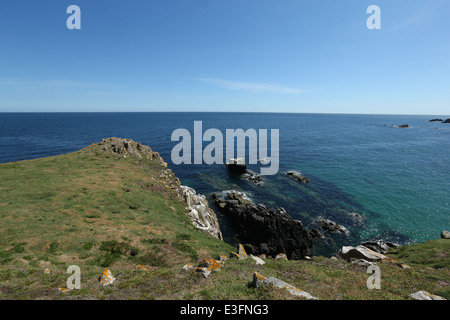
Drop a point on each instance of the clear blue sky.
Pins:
(226, 55)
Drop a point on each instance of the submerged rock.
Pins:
(436, 120)
(269, 231)
(297, 175)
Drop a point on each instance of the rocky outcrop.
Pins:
(199, 212)
(201, 215)
(297, 175)
(445, 234)
(380, 246)
(266, 230)
(424, 295)
(127, 148)
(253, 177)
(350, 253)
(436, 120)
(446, 121)
(260, 280)
(331, 226)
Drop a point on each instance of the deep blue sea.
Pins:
(397, 180)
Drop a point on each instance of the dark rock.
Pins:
(253, 177)
(269, 231)
(316, 234)
(297, 175)
(237, 166)
(380, 246)
(446, 121)
(435, 120)
(331, 226)
(403, 126)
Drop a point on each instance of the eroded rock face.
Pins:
(201, 215)
(266, 230)
(128, 148)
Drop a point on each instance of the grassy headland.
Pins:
(95, 208)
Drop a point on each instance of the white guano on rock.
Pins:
(201, 215)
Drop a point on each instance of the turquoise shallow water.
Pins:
(396, 179)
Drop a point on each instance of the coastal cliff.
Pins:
(117, 212)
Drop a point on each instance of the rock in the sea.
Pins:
(269, 231)
(446, 121)
(360, 252)
(297, 175)
(201, 215)
(331, 226)
(403, 126)
(436, 120)
(259, 280)
(445, 234)
(237, 166)
(253, 177)
(424, 295)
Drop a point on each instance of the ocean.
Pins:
(375, 179)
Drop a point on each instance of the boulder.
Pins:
(269, 231)
(258, 260)
(259, 280)
(281, 256)
(360, 252)
(187, 266)
(241, 252)
(380, 246)
(445, 234)
(363, 263)
(424, 295)
(210, 264)
(446, 121)
(141, 267)
(107, 278)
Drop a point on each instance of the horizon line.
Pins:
(268, 112)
